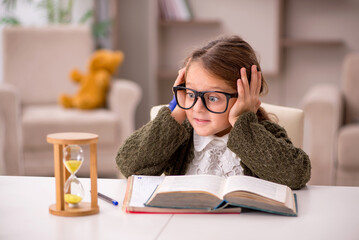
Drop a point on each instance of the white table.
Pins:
(324, 213)
(24, 213)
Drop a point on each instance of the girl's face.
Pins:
(204, 122)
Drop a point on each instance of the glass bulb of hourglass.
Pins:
(73, 158)
(74, 192)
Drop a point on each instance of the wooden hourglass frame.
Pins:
(60, 141)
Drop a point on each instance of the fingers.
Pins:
(248, 94)
(259, 78)
(254, 80)
(240, 90)
(244, 81)
(180, 78)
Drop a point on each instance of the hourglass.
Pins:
(69, 190)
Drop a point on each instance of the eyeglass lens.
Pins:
(214, 101)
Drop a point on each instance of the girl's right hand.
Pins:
(180, 78)
(178, 113)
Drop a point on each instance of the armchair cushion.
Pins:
(347, 161)
(350, 86)
(40, 120)
(348, 150)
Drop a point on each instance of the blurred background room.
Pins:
(308, 51)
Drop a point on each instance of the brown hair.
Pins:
(224, 57)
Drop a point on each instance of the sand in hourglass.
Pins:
(72, 166)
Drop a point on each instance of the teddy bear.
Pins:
(93, 85)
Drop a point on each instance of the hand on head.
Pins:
(180, 78)
(248, 94)
(181, 74)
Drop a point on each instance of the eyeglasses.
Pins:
(214, 101)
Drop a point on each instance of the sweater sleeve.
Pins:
(149, 149)
(267, 152)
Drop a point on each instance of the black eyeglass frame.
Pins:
(201, 95)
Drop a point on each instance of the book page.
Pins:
(255, 185)
(193, 183)
(142, 189)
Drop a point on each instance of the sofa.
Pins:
(37, 62)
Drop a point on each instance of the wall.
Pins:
(137, 39)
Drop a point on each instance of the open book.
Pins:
(208, 193)
(140, 189)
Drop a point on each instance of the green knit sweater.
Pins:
(165, 146)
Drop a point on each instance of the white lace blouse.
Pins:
(212, 157)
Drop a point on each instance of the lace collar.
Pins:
(212, 156)
(200, 142)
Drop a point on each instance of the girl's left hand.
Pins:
(248, 95)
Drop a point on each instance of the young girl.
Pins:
(218, 126)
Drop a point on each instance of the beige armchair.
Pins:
(332, 118)
(37, 62)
